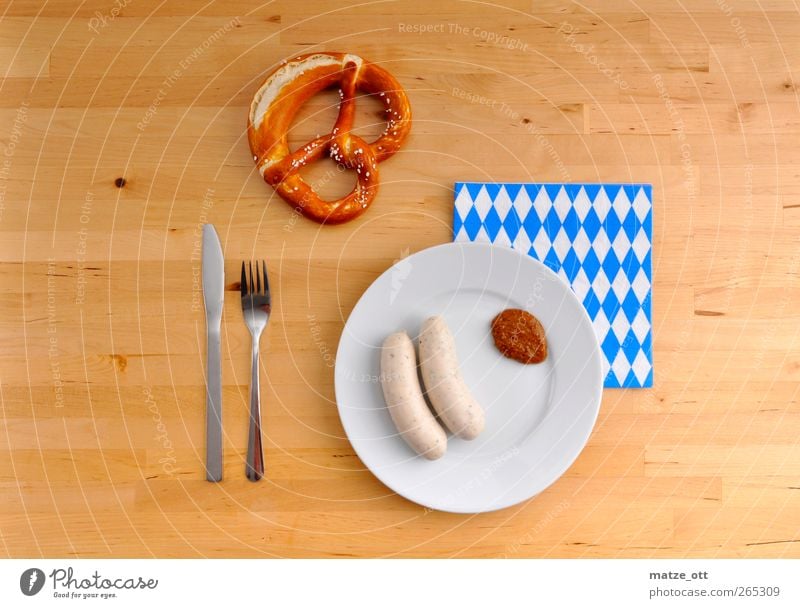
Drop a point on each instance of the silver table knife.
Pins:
(213, 290)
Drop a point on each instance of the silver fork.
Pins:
(256, 309)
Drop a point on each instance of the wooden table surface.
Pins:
(124, 130)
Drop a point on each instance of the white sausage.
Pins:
(407, 407)
(444, 384)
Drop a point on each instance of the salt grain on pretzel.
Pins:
(277, 102)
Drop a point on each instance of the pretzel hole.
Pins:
(370, 121)
(330, 180)
(315, 117)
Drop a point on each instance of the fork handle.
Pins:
(255, 453)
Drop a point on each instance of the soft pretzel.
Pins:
(275, 105)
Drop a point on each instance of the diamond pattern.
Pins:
(581, 244)
(597, 237)
(502, 204)
(512, 224)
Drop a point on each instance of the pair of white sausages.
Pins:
(444, 385)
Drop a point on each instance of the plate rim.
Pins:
(596, 400)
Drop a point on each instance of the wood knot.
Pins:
(120, 182)
(709, 313)
(119, 361)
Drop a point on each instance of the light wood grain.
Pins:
(101, 370)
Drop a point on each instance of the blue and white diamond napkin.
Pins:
(596, 237)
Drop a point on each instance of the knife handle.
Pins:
(213, 408)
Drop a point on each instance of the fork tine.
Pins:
(243, 284)
(266, 280)
(258, 280)
(252, 286)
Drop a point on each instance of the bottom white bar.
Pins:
(400, 583)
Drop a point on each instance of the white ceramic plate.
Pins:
(538, 417)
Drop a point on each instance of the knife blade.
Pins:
(213, 295)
